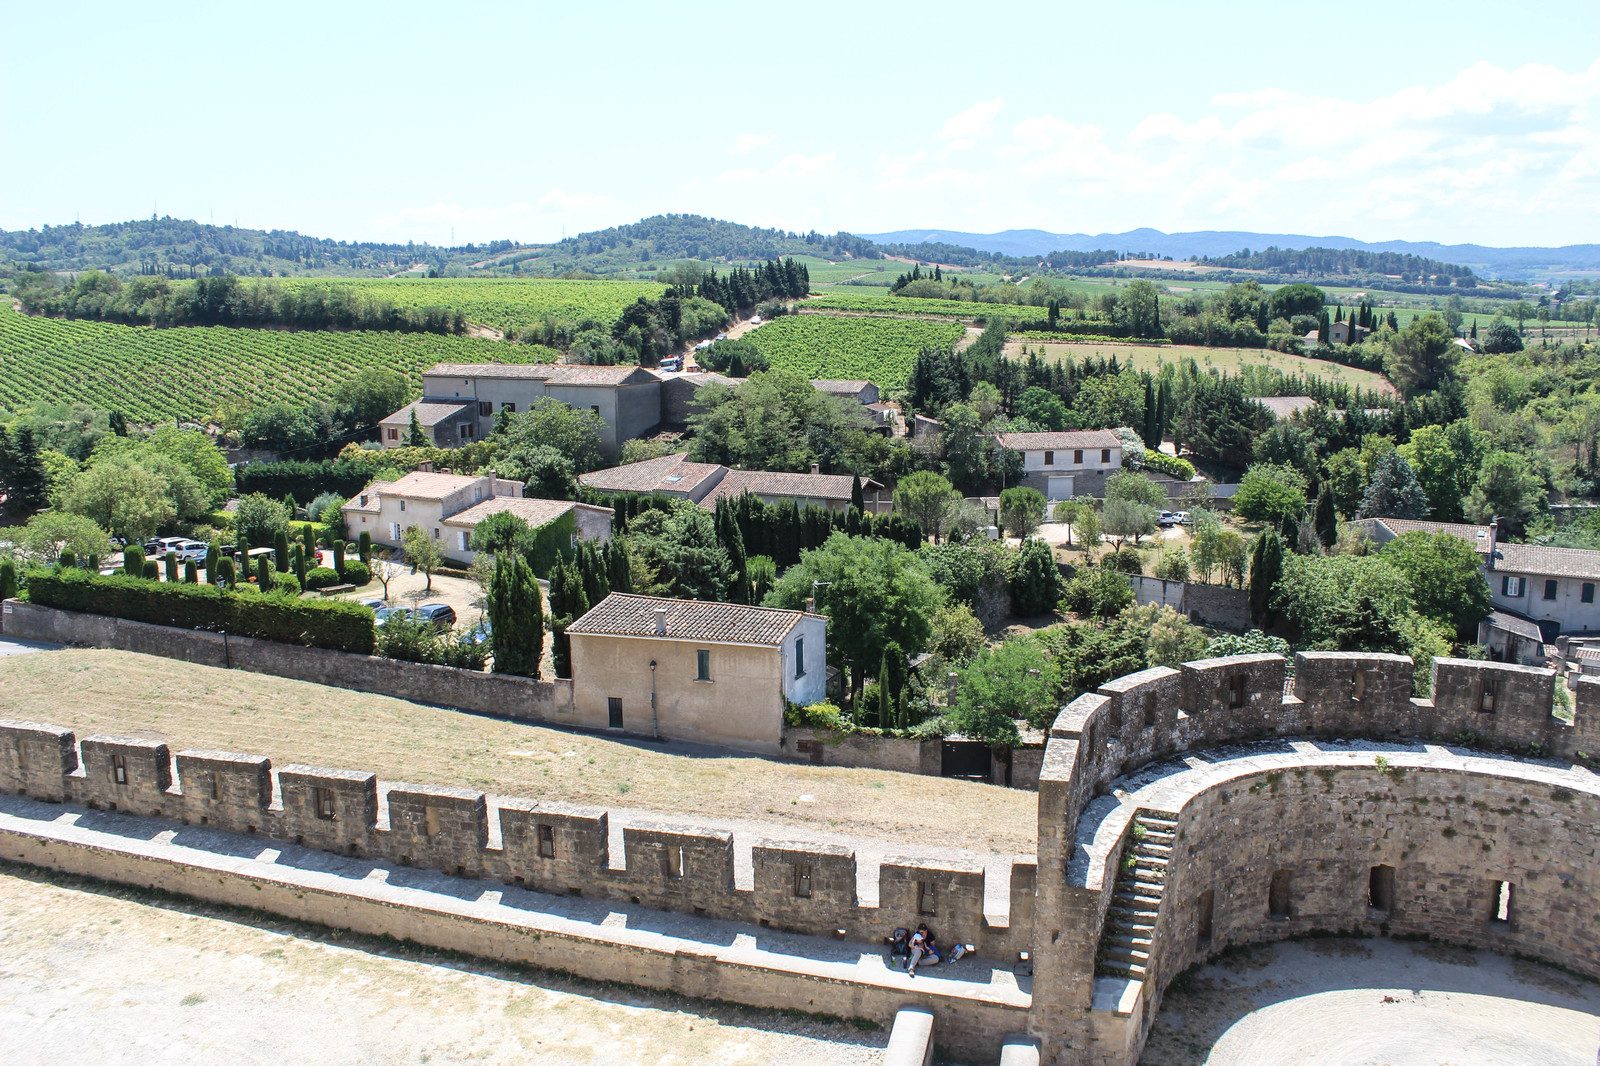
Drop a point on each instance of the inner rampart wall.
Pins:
(544, 846)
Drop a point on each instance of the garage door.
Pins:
(1060, 488)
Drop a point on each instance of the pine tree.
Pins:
(415, 438)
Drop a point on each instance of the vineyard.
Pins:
(186, 373)
(867, 301)
(504, 303)
(880, 350)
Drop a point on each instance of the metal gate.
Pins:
(965, 758)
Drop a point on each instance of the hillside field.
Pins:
(504, 303)
(880, 350)
(186, 373)
(1225, 360)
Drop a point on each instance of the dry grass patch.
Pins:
(194, 706)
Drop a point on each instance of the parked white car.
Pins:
(184, 548)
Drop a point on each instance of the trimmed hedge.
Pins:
(322, 577)
(336, 624)
(357, 574)
(305, 481)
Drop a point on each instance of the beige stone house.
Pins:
(716, 673)
(450, 506)
(706, 483)
(464, 399)
(1064, 465)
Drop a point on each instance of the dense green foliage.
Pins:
(516, 617)
(336, 624)
(880, 350)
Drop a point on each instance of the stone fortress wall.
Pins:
(543, 846)
(1273, 838)
(1279, 827)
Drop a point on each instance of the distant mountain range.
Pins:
(1522, 263)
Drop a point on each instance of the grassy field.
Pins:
(187, 372)
(292, 721)
(1226, 360)
(880, 350)
(873, 300)
(505, 303)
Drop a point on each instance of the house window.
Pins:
(802, 880)
(322, 803)
(1236, 691)
(485, 407)
(119, 769)
(1105, 455)
(394, 532)
(614, 712)
(402, 505)
(703, 665)
(800, 657)
(394, 433)
(1588, 592)
(1149, 709)
(465, 539)
(467, 431)
(1511, 586)
(1049, 458)
(595, 408)
(509, 407)
(1077, 457)
(363, 501)
(547, 842)
(1550, 588)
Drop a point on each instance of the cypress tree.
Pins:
(212, 557)
(1266, 567)
(1327, 519)
(191, 573)
(67, 559)
(1152, 414)
(892, 686)
(225, 573)
(338, 558)
(858, 498)
(280, 550)
(133, 561)
(365, 548)
(415, 438)
(516, 618)
(300, 564)
(8, 579)
(152, 570)
(263, 573)
(172, 567)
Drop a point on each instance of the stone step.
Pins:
(1124, 941)
(1147, 850)
(1138, 901)
(1134, 922)
(1133, 970)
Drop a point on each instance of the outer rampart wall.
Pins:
(546, 847)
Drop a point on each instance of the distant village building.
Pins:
(706, 483)
(1284, 407)
(1346, 333)
(448, 507)
(1067, 464)
(717, 673)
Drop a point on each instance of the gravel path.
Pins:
(99, 976)
(1376, 1003)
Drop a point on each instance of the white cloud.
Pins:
(973, 122)
(749, 142)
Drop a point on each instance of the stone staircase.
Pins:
(1136, 898)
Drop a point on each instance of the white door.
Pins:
(1059, 488)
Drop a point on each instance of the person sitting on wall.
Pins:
(930, 947)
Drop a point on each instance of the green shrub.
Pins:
(191, 572)
(151, 570)
(172, 566)
(8, 579)
(338, 556)
(365, 548)
(817, 716)
(67, 560)
(285, 583)
(335, 624)
(227, 577)
(322, 577)
(1168, 464)
(133, 561)
(356, 574)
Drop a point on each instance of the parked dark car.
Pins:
(441, 616)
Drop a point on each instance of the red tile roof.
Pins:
(626, 615)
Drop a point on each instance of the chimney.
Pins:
(425, 467)
(661, 621)
(491, 483)
(1494, 538)
(811, 605)
(816, 468)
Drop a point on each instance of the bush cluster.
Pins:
(334, 624)
(322, 577)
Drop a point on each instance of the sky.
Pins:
(1454, 122)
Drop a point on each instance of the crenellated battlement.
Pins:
(544, 846)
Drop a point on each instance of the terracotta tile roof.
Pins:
(554, 373)
(626, 615)
(669, 473)
(1477, 536)
(1541, 561)
(420, 485)
(840, 387)
(773, 483)
(430, 413)
(534, 512)
(1076, 438)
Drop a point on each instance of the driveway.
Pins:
(18, 646)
